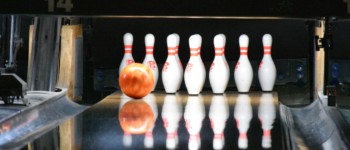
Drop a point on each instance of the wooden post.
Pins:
(31, 30)
(319, 65)
(69, 76)
(67, 68)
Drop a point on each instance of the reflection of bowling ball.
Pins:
(136, 117)
(136, 80)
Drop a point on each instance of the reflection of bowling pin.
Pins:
(195, 71)
(171, 69)
(127, 138)
(267, 115)
(178, 59)
(243, 115)
(150, 99)
(243, 71)
(127, 59)
(194, 115)
(219, 71)
(218, 115)
(171, 115)
(267, 69)
(149, 59)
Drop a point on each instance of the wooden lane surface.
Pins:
(117, 97)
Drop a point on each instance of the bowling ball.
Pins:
(136, 117)
(136, 80)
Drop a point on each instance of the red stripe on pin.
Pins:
(267, 132)
(219, 49)
(148, 134)
(171, 48)
(126, 133)
(243, 48)
(171, 135)
(195, 49)
(149, 52)
(219, 53)
(127, 51)
(267, 53)
(244, 53)
(194, 137)
(218, 136)
(267, 47)
(197, 54)
(149, 47)
(127, 46)
(243, 135)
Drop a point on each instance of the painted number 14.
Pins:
(65, 4)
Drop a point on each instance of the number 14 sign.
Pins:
(67, 5)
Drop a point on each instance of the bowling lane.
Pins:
(230, 121)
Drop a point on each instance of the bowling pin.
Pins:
(127, 59)
(202, 71)
(267, 69)
(224, 37)
(171, 115)
(178, 59)
(149, 59)
(219, 73)
(267, 115)
(194, 115)
(171, 70)
(243, 70)
(150, 99)
(195, 71)
(218, 114)
(243, 114)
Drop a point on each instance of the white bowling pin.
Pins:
(267, 69)
(171, 115)
(202, 71)
(178, 58)
(127, 59)
(171, 70)
(194, 115)
(195, 71)
(150, 99)
(267, 115)
(224, 37)
(243, 113)
(243, 70)
(219, 73)
(149, 59)
(218, 114)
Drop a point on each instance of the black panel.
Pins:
(290, 38)
(295, 8)
(341, 36)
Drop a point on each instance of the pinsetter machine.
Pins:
(12, 88)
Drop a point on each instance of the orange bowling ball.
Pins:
(136, 117)
(136, 80)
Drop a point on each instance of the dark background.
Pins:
(290, 39)
(294, 8)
